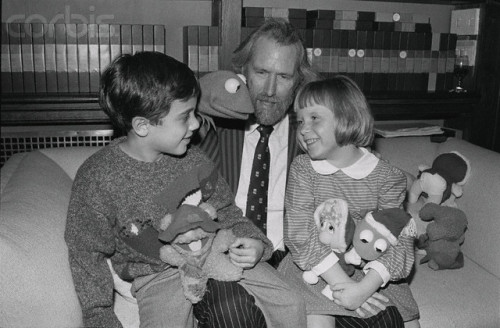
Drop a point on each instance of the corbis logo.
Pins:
(61, 18)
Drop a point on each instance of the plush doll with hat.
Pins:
(375, 233)
(195, 244)
(335, 229)
(443, 236)
(224, 94)
(370, 237)
(198, 247)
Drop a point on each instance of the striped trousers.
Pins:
(230, 305)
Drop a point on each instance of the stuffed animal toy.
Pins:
(443, 182)
(224, 94)
(440, 184)
(198, 247)
(375, 233)
(195, 245)
(370, 237)
(336, 229)
(444, 236)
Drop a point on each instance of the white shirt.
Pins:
(278, 147)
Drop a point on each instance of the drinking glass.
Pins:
(461, 70)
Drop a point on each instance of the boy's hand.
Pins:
(246, 252)
(352, 296)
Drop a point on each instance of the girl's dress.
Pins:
(368, 184)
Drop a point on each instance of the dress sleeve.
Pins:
(301, 233)
(393, 189)
(398, 260)
(90, 240)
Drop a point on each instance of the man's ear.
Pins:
(140, 125)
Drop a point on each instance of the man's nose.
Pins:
(270, 87)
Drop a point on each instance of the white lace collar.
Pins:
(359, 170)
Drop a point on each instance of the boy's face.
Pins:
(173, 134)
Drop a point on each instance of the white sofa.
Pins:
(36, 288)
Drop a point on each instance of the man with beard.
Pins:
(274, 61)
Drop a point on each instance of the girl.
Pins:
(335, 124)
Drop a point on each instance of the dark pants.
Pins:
(229, 305)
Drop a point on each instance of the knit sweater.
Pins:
(115, 210)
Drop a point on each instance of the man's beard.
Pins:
(270, 116)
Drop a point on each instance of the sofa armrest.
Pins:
(36, 286)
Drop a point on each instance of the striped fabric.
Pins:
(228, 305)
(390, 318)
(385, 187)
(225, 146)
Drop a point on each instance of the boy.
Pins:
(119, 197)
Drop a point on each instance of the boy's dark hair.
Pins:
(144, 84)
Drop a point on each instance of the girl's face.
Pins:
(173, 134)
(316, 132)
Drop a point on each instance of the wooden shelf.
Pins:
(59, 109)
(422, 106)
(51, 109)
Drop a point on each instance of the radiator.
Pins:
(24, 139)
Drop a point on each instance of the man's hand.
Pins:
(246, 252)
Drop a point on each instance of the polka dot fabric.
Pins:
(259, 179)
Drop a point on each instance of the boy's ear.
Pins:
(140, 126)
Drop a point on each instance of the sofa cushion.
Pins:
(35, 279)
(464, 298)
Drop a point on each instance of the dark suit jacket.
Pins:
(225, 147)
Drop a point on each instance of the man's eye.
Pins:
(331, 228)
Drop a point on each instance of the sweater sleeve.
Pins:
(90, 240)
(300, 231)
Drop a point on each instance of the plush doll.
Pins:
(224, 94)
(195, 243)
(443, 182)
(370, 237)
(336, 229)
(375, 233)
(440, 184)
(198, 247)
(444, 236)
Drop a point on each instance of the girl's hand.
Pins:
(353, 296)
(246, 252)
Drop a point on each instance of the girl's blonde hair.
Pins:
(354, 121)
